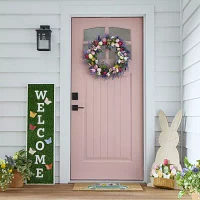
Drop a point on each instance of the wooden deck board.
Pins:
(65, 191)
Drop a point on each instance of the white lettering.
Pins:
(39, 120)
(41, 94)
(37, 145)
(39, 159)
(40, 108)
(38, 132)
(39, 173)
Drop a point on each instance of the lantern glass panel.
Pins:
(43, 41)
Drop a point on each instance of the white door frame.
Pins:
(85, 9)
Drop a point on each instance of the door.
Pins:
(107, 134)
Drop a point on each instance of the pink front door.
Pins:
(107, 134)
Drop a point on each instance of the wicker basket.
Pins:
(164, 183)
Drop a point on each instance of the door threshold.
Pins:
(105, 181)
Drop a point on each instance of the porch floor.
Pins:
(65, 191)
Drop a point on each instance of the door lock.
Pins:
(76, 107)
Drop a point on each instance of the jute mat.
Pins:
(107, 186)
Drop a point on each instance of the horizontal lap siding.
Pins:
(20, 63)
(191, 79)
(167, 67)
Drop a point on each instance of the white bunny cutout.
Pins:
(169, 140)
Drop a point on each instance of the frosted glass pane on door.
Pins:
(92, 33)
(123, 33)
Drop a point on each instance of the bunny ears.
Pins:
(164, 123)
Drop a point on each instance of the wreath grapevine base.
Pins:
(97, 46)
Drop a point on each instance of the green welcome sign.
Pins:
(40, 132)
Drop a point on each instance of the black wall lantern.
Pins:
(44, 38)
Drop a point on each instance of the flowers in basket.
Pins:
(189, 178)
(164, 170)
(6, 174)
(21, 164)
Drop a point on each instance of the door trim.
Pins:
(85, 10)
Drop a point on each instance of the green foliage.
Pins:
(22, 164)
(189, 178)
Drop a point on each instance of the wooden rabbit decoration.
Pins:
(168, 140)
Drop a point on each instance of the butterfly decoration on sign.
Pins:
(48, 141)
(31, 151)
(48, 167)
(32, 114)
(47, 101)
(32, 127)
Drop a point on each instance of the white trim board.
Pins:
(69, 11)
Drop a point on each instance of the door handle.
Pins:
(76, 107)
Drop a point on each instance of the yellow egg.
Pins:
(159, 174)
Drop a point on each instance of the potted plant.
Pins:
(6, 174)
(21, 166)
(164, 175)
(189, 179)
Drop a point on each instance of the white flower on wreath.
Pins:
(119, 61)
(125, 58)
(98, 73)
(108, 74)
(118, 49)
(90, 56)
(100, 43)
(112, 44)
(116, 44)
(117, 40)
(96, 61)
(99, 69)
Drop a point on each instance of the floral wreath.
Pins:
(102, 69)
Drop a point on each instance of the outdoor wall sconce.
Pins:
(44, 38)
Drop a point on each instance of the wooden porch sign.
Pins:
(40, 132)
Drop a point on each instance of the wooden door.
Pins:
(107, 134)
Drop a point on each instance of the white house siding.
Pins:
(21, 63)
(191, 78)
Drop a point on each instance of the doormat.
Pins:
(107, 186)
